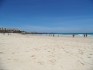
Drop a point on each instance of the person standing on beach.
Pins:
(86, 34)
(73, 35)
(58, 35)
(53, 35)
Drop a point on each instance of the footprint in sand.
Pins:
(81, 52)
(36, 49)
(89, 57)
(13, 53)
(90, 54)
(48, 51)
(26, 51)
(52, 61)
(8, 59)
(81, 62)
(1, 52)
(33, 57)
(40, 62)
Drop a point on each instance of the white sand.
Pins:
(23, 52)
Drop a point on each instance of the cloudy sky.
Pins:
(47, 15)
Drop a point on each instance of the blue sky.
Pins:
(47, 15)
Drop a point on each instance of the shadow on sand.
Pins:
(1, 67)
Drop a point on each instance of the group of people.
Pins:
(85, 35)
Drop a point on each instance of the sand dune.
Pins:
(25, 52)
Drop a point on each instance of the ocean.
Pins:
(64, 34)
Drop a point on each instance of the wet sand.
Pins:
(25, 52)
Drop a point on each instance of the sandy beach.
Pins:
(25, 52)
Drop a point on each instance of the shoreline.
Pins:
(51, 35)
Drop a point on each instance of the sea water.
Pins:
(64, 34)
